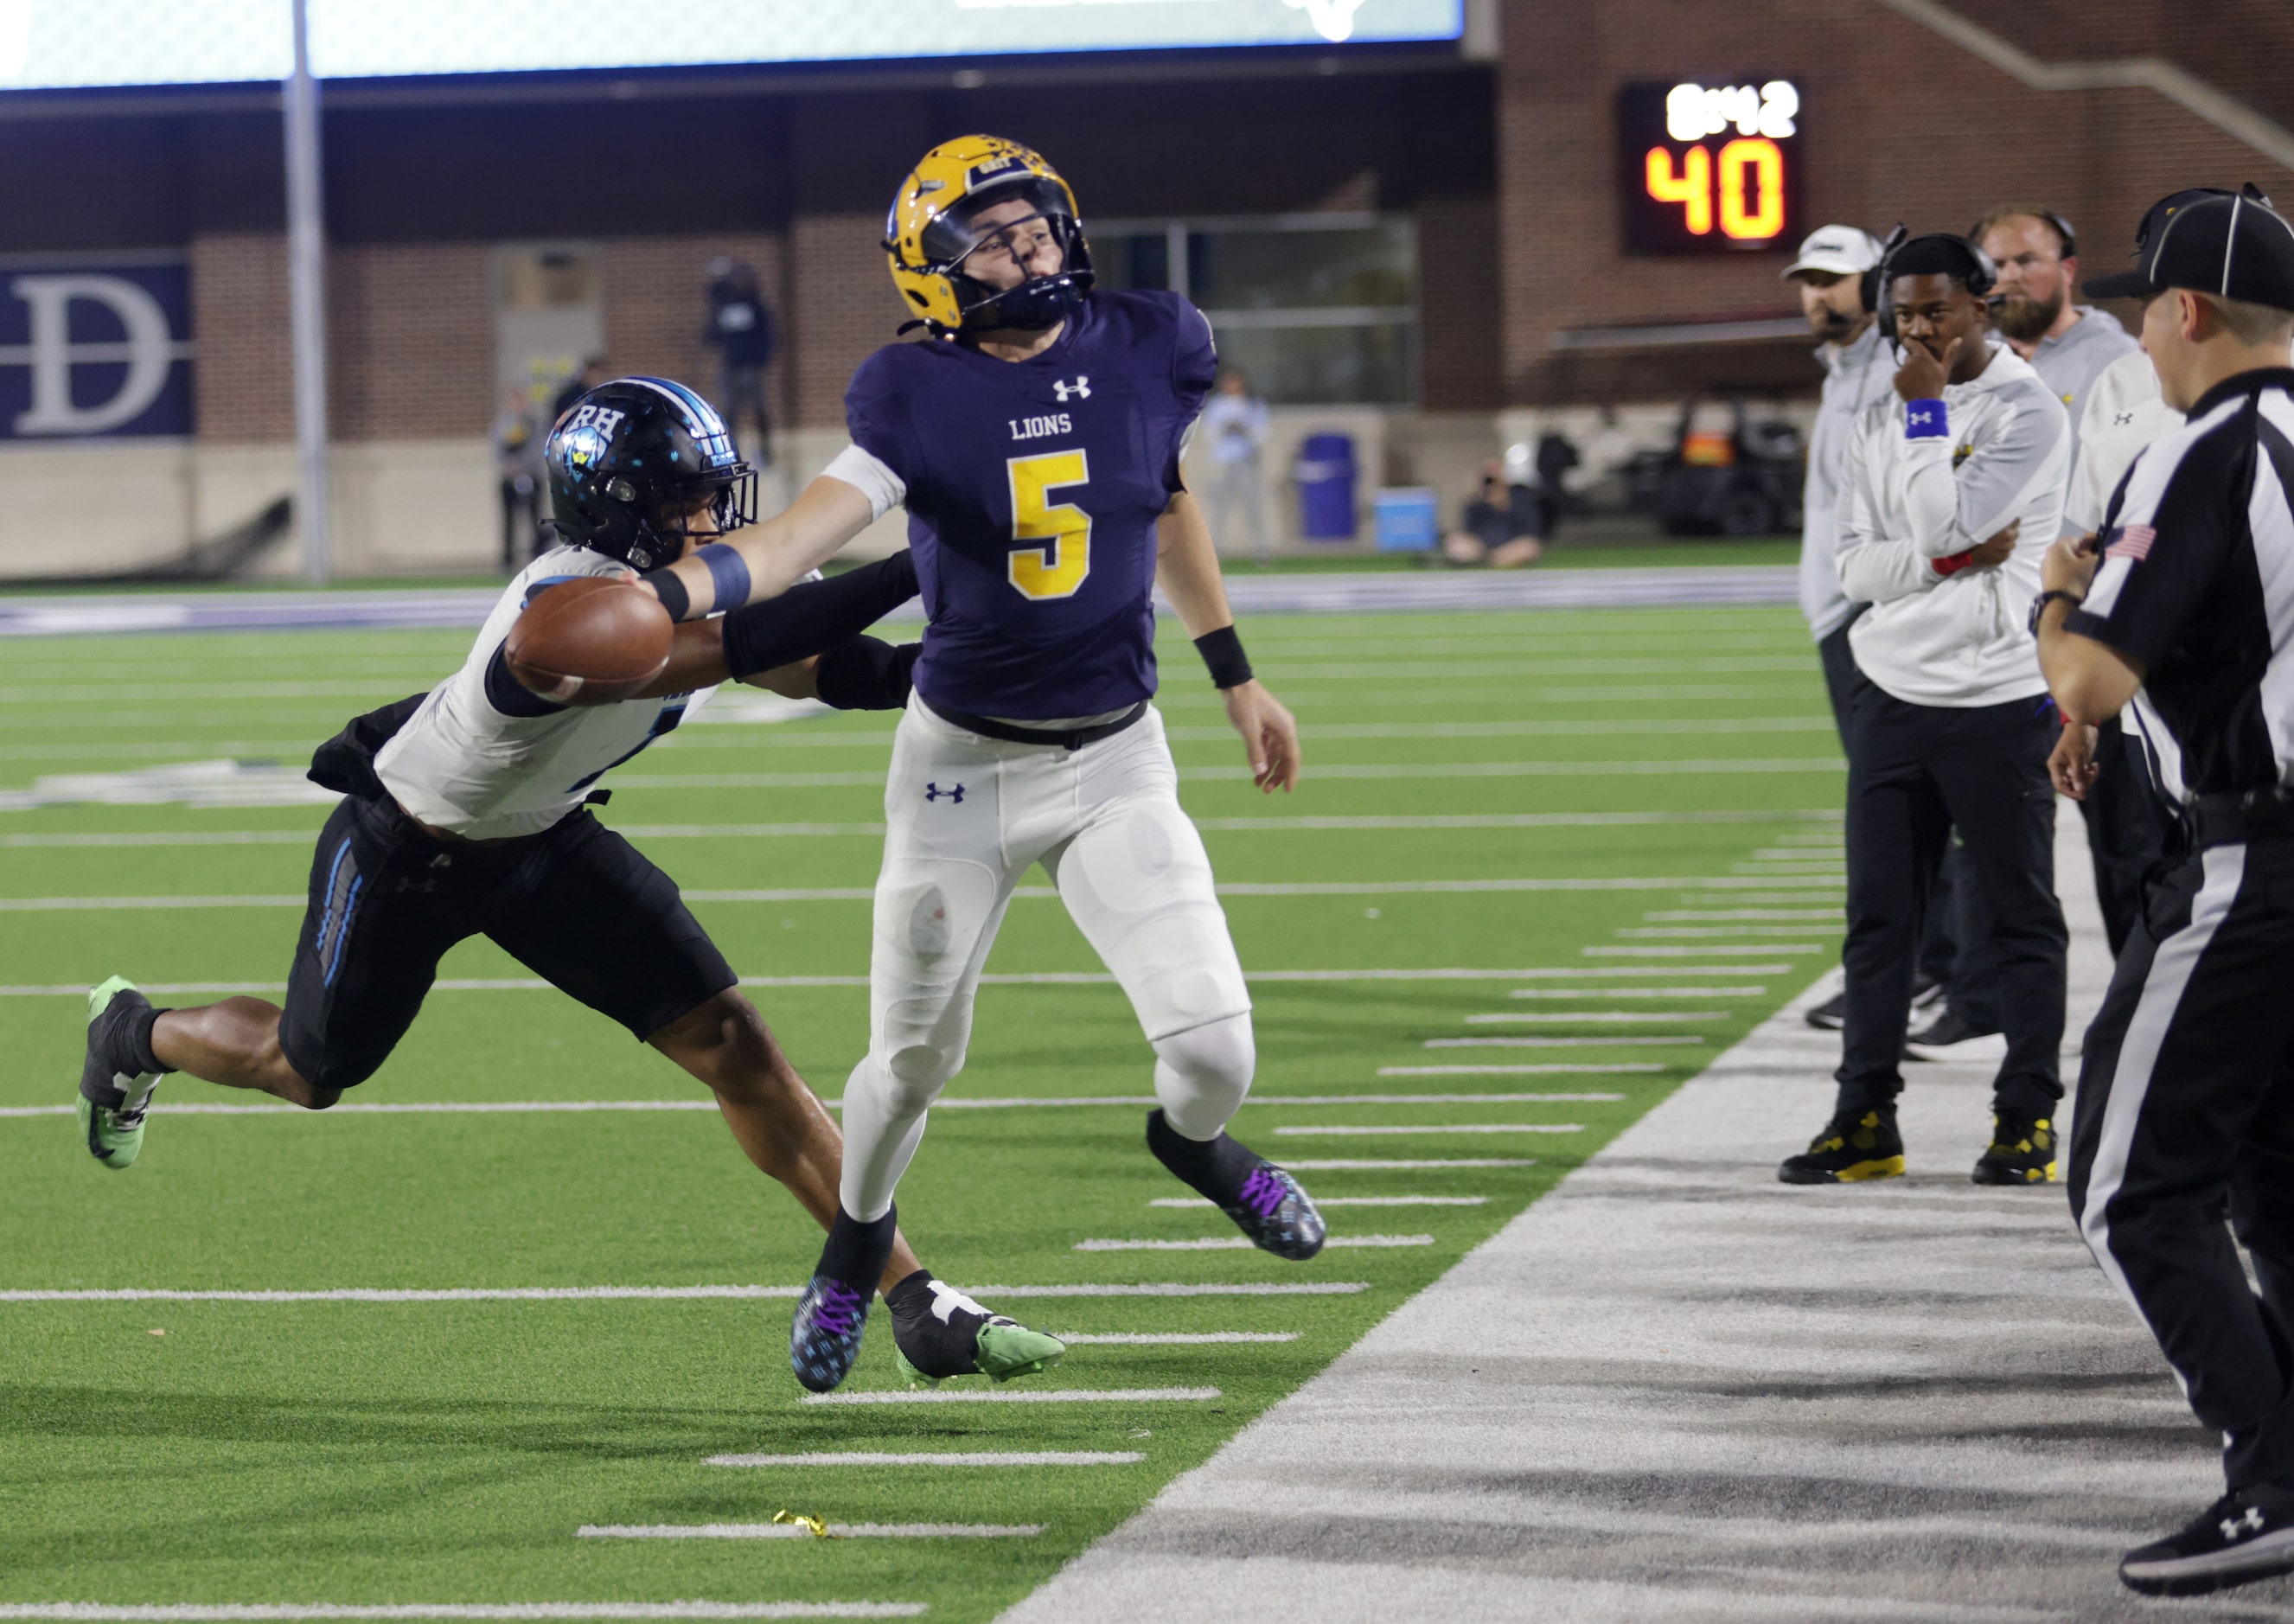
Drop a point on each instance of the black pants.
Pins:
(1841, 677)
(576, 904)
(2186, 1111)
(741, 389)
(1916, 772)
(2125, 831)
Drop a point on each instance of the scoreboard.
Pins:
(1710, 168)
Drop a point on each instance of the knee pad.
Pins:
(1203, 1074)
(1140, 887)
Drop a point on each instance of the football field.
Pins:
(506, 1330)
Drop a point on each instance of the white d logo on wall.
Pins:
(101, 349)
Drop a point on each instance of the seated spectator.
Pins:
(1503, 527)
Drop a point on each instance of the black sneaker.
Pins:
(2248, 1534)
(1952, 1036)
(1853, 1146)
(2023, 1151)
(1831, 1015)
(1266, 1203)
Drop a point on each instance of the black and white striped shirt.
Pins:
(2196, 586)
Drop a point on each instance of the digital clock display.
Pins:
(1710, 168)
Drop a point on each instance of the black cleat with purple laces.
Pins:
(824, 1338)
(1267, 1204)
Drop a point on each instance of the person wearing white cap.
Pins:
(1829, 272)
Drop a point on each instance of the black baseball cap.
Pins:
(2232, 244)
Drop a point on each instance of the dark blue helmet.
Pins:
(631, 458)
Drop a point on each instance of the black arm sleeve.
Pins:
(814, 616)
(862, 674)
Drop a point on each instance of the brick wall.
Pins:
(1900, 124)
(411, 334)
(656, 306)
(245, 375)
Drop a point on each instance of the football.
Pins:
(590, 639)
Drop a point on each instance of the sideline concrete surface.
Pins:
(1676, 1389)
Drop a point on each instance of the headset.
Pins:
(1981, 276)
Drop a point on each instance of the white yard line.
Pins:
(1673, 1040)
(1163, 1339)
(1237, 1242)
(1439, 1164)
(1105, 1395)
(975, 1457)
(1639, 992)
(1831, 765)
(1605, 1017)
(797, 1530)
(1682, 931)
(1812, 914)
(195, 1612)
(1694, 952)
(1443, 1128)
(593, 1293)
(862, 893)
(1344, 1201)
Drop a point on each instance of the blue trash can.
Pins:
(1325, 476)
(1406, 518)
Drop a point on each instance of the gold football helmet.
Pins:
(930, 233)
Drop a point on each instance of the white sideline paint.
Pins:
(1158, 1339)
(797, 1530)
(1605, 1017)
(1347, 1166)
(95, 1612)
(1237, 1242)
(1639, 992)
(1671, 1040)
(1342, 1201)
(1509, 1071)
(977, 1457)
(1443, 1128)
(577, 1294)
(1105, 1395)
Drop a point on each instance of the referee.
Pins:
(2185, 607)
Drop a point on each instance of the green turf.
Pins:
(429, 1452)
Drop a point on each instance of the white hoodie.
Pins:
(1928, 481)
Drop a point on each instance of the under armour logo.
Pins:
(1080, 388)
(2234, 1529)
(934, 792)
(421, 887)
(2119, 419)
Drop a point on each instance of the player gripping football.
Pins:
(465, 813)
(1035, 440)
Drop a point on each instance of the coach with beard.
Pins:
(2070, 347)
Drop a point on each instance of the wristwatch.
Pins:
(2039, 604)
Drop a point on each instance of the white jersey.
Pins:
(463, 765)
(2125, 413)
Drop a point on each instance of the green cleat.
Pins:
(939, 1332)
(113, 1095)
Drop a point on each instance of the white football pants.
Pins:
(966, 817)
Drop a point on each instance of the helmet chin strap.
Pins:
(1032, 306)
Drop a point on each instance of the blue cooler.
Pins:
(1325, 474)
(1406, 518)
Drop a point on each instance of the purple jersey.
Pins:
(1033, 489)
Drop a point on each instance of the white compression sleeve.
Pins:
(868, 474)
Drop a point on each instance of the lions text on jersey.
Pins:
(485, 759)
(1032, 489)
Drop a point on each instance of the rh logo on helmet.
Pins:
(605, 419)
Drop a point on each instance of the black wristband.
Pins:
(2039, 605)
(1222, 651)
(671, 591)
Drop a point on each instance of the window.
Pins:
(1318, 309)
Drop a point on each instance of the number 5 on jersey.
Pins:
(1058, 568)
